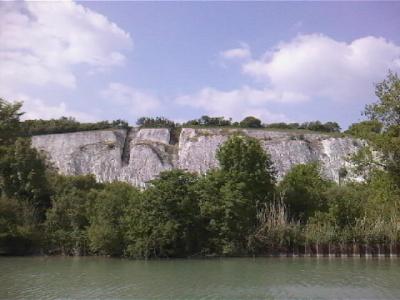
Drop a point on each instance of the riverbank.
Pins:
(329, 250)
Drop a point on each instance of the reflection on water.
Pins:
(235, 278)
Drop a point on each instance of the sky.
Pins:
(278, 61)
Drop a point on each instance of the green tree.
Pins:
(320, 229)
(166, 222)
(346, 203)
(303, 190)
(64, 124)
(243, 160)
(9, 121)
(24, 190)
(250, 122)
(155, 122)
(383, 195)
(229, 216)
(386, 111)
(331, 127)
(19, 234)
(23, 176)
(107, 216)
(365, 129)
(231, 197)
(22, 169)
(68, 218)
(209, 121)
(387, 108)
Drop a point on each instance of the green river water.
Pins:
(231, 278)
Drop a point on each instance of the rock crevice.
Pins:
(126, 149)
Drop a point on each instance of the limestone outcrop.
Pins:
(139, 155)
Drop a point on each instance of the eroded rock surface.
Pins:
(139, 155)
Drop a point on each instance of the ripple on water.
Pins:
(239, 278)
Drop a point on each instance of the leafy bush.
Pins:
(303, 189)
(107, 216)
(68, 217)
(250, 122)
(165, 222)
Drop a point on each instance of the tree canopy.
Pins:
(9, 121)
(250, 122)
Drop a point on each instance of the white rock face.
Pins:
(140, 155)
(136, 156)
(158, 135)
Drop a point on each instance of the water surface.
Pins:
(234, 278)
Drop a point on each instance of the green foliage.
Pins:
(383, 195)
(387, 109)
(107, 214)
(161, 122)
(282, 125)
(328, 127)
(23, 176)
(250, 122)
(157, 122)
(64, 124)
(9, 121)
(386, 113)
(67, 219)
(378, 230)
(24, 190)
(365, 129)
(346, 203)
(312, 126)
(243, 161)
(230, 211)
(318, 126)
(19, 233)
(303, 190)
(230, 197)
(166, 220)
(275, 233)
(228, 215)
(209, 121)
(320, 229)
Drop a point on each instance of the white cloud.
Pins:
(36, 108)
(237, 103)
(42, 42)
(309, 68)
(317, 66)
(237, 53)
(137, 103)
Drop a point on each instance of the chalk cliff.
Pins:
(139, 155)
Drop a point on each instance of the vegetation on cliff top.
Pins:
(67, 124)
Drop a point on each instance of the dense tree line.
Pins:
(238, 209)
(156, 122)
(247, 122)
(209, 121)
(67, 124)
(63, 125)
(312, 126)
